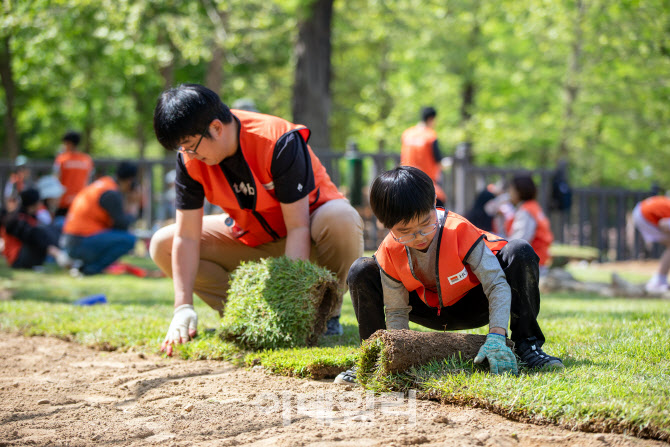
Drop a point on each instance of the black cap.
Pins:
(29, 197)
(126, 170)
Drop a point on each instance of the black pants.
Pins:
(517, 259)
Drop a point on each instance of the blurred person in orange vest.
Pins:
(421, 150)
(277, 196)
(529, 221)
(73, 168)
(27, 242)
(96, 233)
(652, 219)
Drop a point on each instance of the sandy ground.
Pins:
(62, 394)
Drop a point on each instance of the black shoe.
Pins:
(347, 377)
(333, 327)
(532, 356)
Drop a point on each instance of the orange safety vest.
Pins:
(263, 221)
(543, 235)
(13, 244)
(655, 208)
(417, 151)
(86, 217)
(74, 171)
(455, 240)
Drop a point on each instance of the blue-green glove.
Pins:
(500, 356)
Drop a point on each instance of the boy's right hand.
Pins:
(500, 356)
(184, 327)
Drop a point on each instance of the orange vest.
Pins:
(417, 151)
(543, 235)
(86, 217)
(13, 244)
(263, 221)
(655, 208)
(456, 238)
(74, 171)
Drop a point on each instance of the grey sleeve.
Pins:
(486, 268)
(523, 227)
(396, 303)
(112, 202)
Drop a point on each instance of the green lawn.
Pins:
(616, 351)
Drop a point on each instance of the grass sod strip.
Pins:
(278, 303)
(392, 352)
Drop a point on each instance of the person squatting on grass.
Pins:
(276, 194)
(652, 219)
(95, 233)
(28, 242)
(436, 269)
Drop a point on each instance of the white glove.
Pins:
(63, 260)
(185, 320)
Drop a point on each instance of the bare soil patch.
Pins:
(63, 394)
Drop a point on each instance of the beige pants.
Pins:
(337, 241)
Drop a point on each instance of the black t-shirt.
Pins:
(291, 170)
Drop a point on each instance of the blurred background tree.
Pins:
(525, 82)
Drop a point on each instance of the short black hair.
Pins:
(29, 197)
(126, 170)
(401, 194)
(525, 186)
(185, 111)
(73, 137)
(428, 113)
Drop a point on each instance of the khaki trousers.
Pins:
(337, 241)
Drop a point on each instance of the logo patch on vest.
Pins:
(243, 188)
(460, 276)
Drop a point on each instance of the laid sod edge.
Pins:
(324, 362)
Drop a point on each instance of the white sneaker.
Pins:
(655, 287)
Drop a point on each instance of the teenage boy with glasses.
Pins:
(436, 269)
(277, 196)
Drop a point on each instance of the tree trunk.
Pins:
(140, 132)
(12, 135)
(311, 90)
(571, 87)
(214, 76)
(469, 87)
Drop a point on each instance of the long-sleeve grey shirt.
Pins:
(484, 266)
(524, 225)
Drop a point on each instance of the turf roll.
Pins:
(278, 303)
(395, 351)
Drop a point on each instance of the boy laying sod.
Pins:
(438, 270)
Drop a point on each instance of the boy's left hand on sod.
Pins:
(500, 356)
(184, 327)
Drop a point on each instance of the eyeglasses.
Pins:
(425, 231)
(195, 149)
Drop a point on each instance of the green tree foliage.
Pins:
(527, 83)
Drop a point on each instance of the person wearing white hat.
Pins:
(51, 190)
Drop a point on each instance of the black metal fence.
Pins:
(598, 217)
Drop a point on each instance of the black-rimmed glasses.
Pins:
(195, 149)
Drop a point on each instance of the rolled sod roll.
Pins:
(278, 303)
(388, 352)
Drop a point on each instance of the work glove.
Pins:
(183, 327)
(63, 260)
(500, 356)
